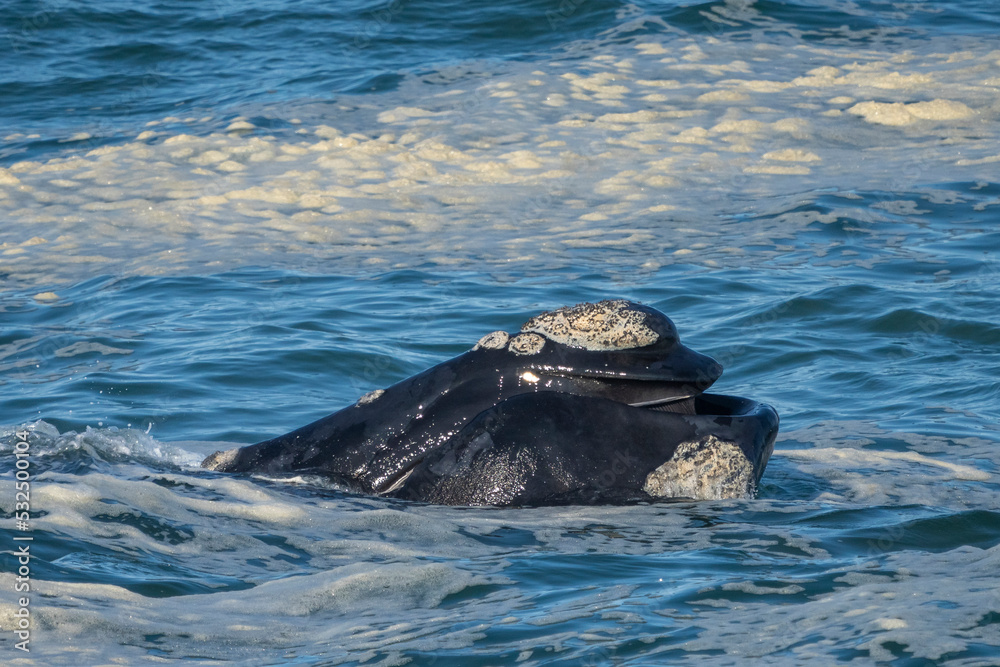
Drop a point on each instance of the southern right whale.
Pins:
(594, 403)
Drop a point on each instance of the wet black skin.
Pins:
(563, 425)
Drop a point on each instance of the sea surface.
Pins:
(222, 220)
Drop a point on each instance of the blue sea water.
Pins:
(220, 221)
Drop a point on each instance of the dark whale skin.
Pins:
(526, 419)
(558, 449)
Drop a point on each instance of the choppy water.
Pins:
(219, 223)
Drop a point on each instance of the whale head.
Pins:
(614, 349)
(575, 383)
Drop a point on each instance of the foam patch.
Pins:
(607, 325)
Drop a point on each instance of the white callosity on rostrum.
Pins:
(608, 325)
(526, 343)
(493, 341)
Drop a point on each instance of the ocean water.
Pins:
(220, 221)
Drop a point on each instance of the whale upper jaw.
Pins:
(655, 376)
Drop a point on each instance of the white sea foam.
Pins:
(919, 469)
(630, 151)
(345, 577)
(623, 150)
(867, 457)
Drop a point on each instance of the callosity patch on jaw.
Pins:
(707, 469)
(603, 326)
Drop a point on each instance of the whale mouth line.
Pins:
(397, 480)
(661, 402)
(684, 405)
(654, 394)
(611, 376)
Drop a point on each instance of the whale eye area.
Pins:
(607, 325)
(493, 341)
(526, 343)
